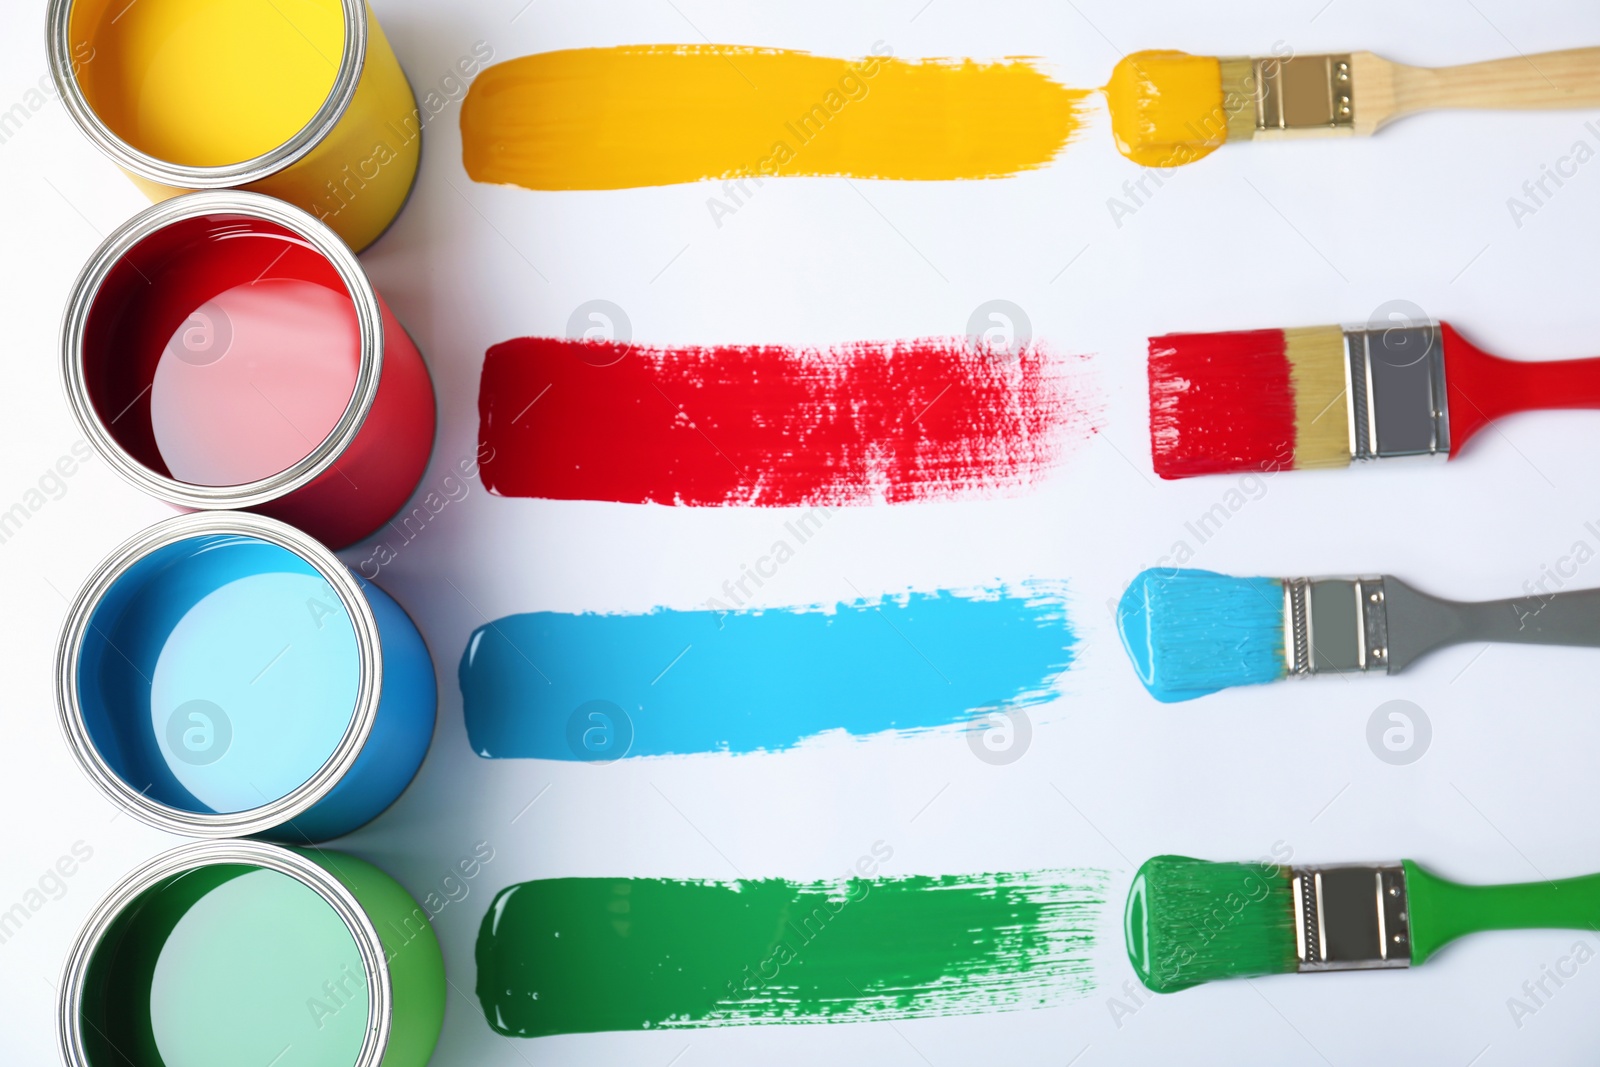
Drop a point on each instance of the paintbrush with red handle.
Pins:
(1264, 400)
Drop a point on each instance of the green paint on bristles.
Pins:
(1190, 921)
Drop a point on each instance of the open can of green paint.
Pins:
(241, 952)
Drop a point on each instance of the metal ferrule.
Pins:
(1310, 94)
(1351, 917)
(1394, 377)
(1335, 625)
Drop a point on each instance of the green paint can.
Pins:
(235, 952)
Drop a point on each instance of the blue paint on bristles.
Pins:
(1192, 632)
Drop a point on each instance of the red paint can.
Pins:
(227, 350)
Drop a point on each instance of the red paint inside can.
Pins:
(221, 350)
(228, 351)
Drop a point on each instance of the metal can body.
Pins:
(352, 165)
(115, 957)
(402, 730)
(379, 469)
(223, 675)
(344, 479)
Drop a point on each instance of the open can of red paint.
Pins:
(227, 350)
(236, 952)
(224, 675)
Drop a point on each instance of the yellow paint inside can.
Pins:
(1167, 107)
(205, 84)
(215, 83)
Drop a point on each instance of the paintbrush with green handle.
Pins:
(1191, 921)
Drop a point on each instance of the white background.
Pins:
(1256, 235)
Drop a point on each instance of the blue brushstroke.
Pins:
(597, 687)
(1191, 632)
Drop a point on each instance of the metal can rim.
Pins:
(369, 322)
(380, 987)
(351, 63)
(296, 802)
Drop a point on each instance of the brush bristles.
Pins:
(1239, 97)
(1321, 404)
(1220, 402)
(1167, 108)
(1189, 921)
(1253, 400)
(1192, 632)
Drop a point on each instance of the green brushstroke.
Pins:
(578, 955)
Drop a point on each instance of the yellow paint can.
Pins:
(303, 100)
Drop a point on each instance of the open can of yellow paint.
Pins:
(303, 100)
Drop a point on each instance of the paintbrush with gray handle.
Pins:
(1192, 632)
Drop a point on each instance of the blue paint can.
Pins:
(222, 674)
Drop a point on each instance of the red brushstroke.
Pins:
(1220, 402)
(1481, 388)
(770, 425)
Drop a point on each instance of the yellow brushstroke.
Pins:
(615, 118)
(1167, 107)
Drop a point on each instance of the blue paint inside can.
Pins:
(218, 673)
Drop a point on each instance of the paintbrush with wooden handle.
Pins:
(1169, 108)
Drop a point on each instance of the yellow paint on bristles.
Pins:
(1317, 361)
(1167, 107)
(202, 83)
(614, 118)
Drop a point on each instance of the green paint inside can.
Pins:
(226, 964)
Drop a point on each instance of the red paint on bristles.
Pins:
(1220, 402)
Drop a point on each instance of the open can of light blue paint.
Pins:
(243, 952)
(221, 674)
